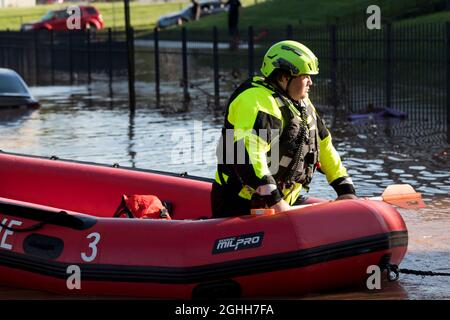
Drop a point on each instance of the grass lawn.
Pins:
(429, 18)
(278, 14)
(271, 14)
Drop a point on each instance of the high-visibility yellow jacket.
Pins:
(256, 118)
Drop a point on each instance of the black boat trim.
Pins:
(182, 175)
(210, 272)
(59, 218)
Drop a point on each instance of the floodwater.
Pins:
(94, 124)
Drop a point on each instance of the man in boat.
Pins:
(273, 139)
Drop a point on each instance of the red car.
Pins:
(57, 20)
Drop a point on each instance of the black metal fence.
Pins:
(406, 67)
(53, 58)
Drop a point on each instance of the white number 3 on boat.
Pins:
(93, 246)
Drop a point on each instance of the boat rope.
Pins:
(27, 229)
(394, 271)
(424, 273)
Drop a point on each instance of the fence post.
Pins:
(70, 57)
(15, 52)
(20, 52)
(110, 59)
(130, 54)
(388, 80)
(251, 70)
(289, 32)
(52, 56)
(448, 80)
(334, 67)
(184, 64)
(88, 53)
(2, 50)
(26, 70)
(18, 49)
(36, 57)
(157, 68)
(216, 67)
(6, 51)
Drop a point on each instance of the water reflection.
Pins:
(389, 290)
(15, 116)
(95, 124)
(131, 151)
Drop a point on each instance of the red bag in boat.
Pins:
(142, 207)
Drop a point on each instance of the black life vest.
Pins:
(298, 144)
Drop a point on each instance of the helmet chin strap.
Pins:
(287, 92)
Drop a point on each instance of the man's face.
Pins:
(299, 87)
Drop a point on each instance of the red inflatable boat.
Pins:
(58, 234)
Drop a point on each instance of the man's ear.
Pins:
(283, 79)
